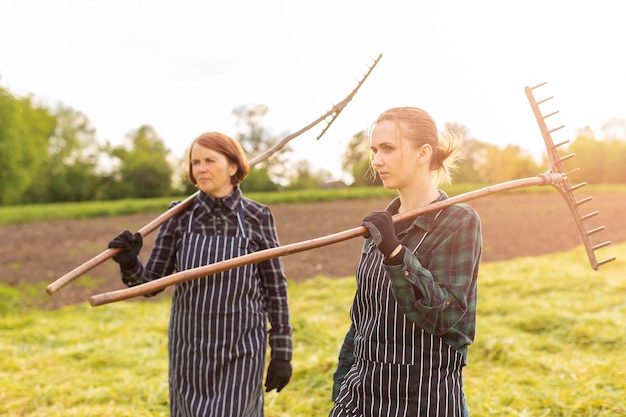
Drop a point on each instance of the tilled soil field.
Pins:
(514, 225)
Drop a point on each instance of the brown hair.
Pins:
(419, 128)
(228, 147)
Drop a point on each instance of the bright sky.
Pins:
(182, 66)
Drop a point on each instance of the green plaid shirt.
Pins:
(436, 287)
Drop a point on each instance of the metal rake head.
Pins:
(559, 180)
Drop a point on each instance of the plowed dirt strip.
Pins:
(513, 225)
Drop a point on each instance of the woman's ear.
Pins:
(424, 154)
(232, 169)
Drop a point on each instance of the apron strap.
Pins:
(241, 220)
(426, 233)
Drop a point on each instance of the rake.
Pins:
(562, 184)
(333, 113)
(555, 176)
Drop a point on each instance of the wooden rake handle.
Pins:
(154, 224)
(555, 176)
(109, 253)
(284, 250)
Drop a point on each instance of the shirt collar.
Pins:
(228, 203)
(424, 221)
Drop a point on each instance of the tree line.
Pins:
(52, 154)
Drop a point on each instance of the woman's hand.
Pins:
(381, 229)
(131, 244)
(278, 375)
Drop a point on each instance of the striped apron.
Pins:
(217, 336)
(399, 369)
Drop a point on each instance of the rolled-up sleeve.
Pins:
(440, 295)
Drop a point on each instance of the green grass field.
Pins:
(551, 341)
(70, 211)
(90, 209)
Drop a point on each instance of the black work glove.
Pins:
(130, 243)
(278, 374)
(381, 229)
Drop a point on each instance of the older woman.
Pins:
(217, 333)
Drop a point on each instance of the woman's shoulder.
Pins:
(173, 204)
(188, 206)
(248, 202)
(460, 211)
(255, 209)
(181, 213)
(463, 207)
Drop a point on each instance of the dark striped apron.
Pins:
(399, 369)
(217, 336)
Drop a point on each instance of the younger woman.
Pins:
(414, 312)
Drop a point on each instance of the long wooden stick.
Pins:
(284, 250)
(154, 224)
(555, 176)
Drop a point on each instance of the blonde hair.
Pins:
(419, 128)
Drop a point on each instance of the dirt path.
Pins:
(513, 226)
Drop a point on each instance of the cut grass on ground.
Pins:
(551, 341)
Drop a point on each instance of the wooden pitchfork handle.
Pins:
(154, 224)
(555, 177)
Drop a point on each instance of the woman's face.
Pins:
(395, 160)
(212, 171)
